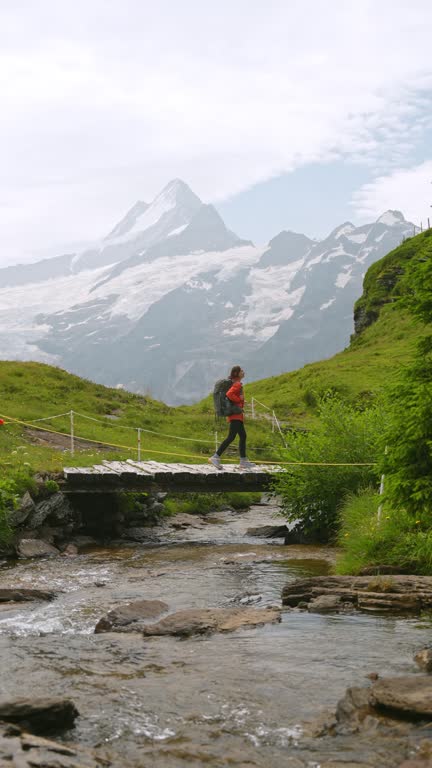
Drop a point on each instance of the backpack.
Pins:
(222, 404)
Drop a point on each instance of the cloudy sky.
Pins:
(285, 114)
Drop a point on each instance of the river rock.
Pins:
(409, 695)
(268, 531)
(137, 533)
(44, 715)
(13, 595)
(70, 550)
(25, 508)
(184, 520)
(131, 614)
(201, 621)
(325, 604)
(423, 659)
(24, 750)
(56, 507)
(35, 548)
(397, 593)
(353, 708)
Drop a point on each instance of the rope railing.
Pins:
(73, 436)
(71, 414)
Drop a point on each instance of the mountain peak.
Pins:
(389, 218)
(128, 221)
(345, 229)
(175, 202)
(177, 191)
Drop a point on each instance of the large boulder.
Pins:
(409, 696)
(131, 615)
(35, 548)
(43, 715)
(377, 594)
(353, 708)
(56, 508)
(202, 621)
(25, 508)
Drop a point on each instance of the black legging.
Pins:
(236, 428)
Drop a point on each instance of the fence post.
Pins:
(381, 491)
(276, 420)
(139, 444)
(72, 445)
(216, 440)
(253, 408)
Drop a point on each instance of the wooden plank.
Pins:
(124, 468)
(77, 470)
(102, 470)
(159, 466)
(142, 466)
(159, 471)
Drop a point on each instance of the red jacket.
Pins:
(235, 394)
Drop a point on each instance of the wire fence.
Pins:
(73, 436)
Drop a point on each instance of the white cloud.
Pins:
(103, 102)
(405, 189)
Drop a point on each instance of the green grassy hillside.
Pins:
(384, 339)
(106, 418)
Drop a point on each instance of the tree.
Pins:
(312, 494)
(408, 463)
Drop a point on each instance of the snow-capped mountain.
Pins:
(170, 299)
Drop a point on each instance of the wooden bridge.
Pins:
(136, 476)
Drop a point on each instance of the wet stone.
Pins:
(269, 531)
(24, 750)
(23, 595)
(325, 604)
(130, 615)
(35, 548)
(423, 659)
(409, 696)
(44, 715)
(196, 622)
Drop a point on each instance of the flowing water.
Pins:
(231, 699)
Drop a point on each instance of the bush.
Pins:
(311, 495)
(8, 501)
(397, 539)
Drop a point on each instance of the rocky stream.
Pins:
(176, 651)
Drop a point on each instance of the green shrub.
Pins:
(8, 501)
(51, 486)
(395, 539)
(312, 494)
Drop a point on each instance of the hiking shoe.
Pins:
(246, 464)
(215, 460)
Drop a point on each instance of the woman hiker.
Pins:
(235, 394)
